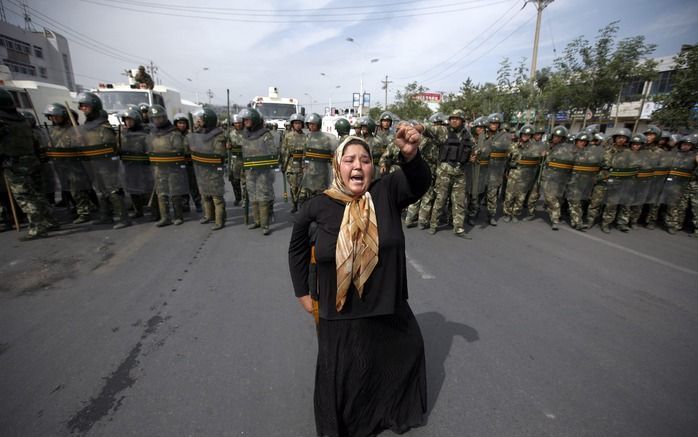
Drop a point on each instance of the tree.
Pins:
(677, 111)
(406, 106)
(376, 111)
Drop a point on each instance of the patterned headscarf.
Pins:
(357, 243)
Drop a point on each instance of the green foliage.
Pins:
(677, 106)
(375, 111)
(406, 106)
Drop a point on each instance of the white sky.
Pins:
(438, 43)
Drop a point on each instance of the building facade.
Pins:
(42, 56)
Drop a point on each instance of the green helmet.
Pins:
(208, 117)
(652, 129)
(369, 123)
(133, 114)
(526, 129)
(560, 131)
(665, 134)
(495, 117)
(143, 107)
(600, 137)
(296, 117)
(457, 113)
(253, 115)
(592, 129)
(157, 111)
(623, 133)
(237, 118)
(6, 100)
(433, 117)
(91, 100)
(480, 122)
(638, 138)
(180, 116)
(29, 116)
(55, 109)
(386, 116)
(342, 126)
(540, 129)
(690, 139)
(506, 126)
(583, 136)
(314, 118)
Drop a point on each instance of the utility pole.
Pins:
(385, 83)
(153, 71)
(210, 95)
(540, 5)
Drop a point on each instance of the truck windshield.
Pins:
(118, 100)
(276, 110)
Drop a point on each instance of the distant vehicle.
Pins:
(275, 109)
(116, 97)
(32, 95)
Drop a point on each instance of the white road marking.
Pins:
(632, 251)
(419, 268)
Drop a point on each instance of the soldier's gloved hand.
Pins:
(407, 139)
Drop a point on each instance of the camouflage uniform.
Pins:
(499, 145)
(681, 190)
(618, 185)
(587, 165)
(136, 176)
(260, 157)
(450, 173)
(235, 172)
(524, 163)
(661, 171)
(317, 164)
(208, 150)
(477, 173)
(646, 162)
(557, 171)
(419, 212)
(293, 147)
(20, 166)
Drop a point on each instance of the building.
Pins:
(42, 56)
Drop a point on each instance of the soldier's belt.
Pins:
(529, 162)
(99, 151)
(560, 165)
(681, 172)
(661, 171)
(261, 162)
(483, 161)
(645, 173)
(499, 155)
(138, 158)
(207, 158)
(579, 168)
(64, 153)
(171, 158)
(318, 154)
(623, 172)
(296, 156)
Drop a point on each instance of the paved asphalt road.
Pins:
(186, 332)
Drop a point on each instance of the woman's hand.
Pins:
(407, 140)
(306, 302)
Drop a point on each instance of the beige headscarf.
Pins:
(357, 242)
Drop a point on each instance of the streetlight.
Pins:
(361, 80)
(196, 79)
(311, 101)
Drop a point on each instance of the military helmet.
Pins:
(540, 129)
(665, 134)
(600, 137)
(457, 113)
(143, 107)
(479, 122)
(560, 131)
(506, 126)
(253, 115)
(207, 116)
(180, 116)
(369, 123)
(157, 111)
(652, 129)
(55, 109)
(314, 118)
(526, 129)
(386, 116)
(624, 132)
(583, 136)
(6, 100)
(236, 118)
(638, 138)
(495, 117)
(29, 116)
(296, 117)
(342, 126)
(133, 107)
(691, 139)
(592, 129)
(90, 99)
(433, 117)
(571, 137)
(133, 114)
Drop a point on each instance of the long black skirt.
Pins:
(370, 375)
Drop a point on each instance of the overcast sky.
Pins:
(249, 46)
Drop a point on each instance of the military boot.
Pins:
(264, 217)
(164, 207)
(650, 225)
(238, 193)
(118, 202)
(254, 207)
(208, 212)
(178, 211)
(137, 200)
(154, 209)
(219, 207)
(105, 213)
(493, 221)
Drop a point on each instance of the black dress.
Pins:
(370, 372)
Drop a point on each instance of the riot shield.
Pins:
(661, 171)
(317, 161)
(499, 152)
(620, 179)
(136, 174)
(65, 157)
(640, 190)
(209, 165)
(522, 178)
(557, 170)
(587, 164)
(680, 174)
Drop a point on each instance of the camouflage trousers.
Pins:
(492, 200)
(294, 186)
(619, 213)
(260, 185)
(306, 193)
(676, 213)
(214, 208)
(420, 211)
(532, 199)
(514, 201)
(553, 207)
(653, 214)
(596, 203)
(20, 174)
(576, 212)
(450, 182)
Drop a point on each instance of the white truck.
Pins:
(32, 95)
(275, 109)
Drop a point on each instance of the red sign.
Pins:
(429, 97)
